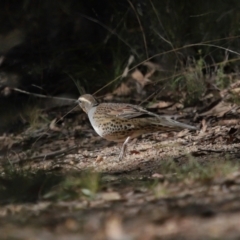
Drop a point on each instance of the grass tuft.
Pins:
(199, 171)
(75, 186)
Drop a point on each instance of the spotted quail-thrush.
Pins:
(120, 122)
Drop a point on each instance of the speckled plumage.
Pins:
(120, 121)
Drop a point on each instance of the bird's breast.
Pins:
(95, 122)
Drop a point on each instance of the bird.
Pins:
(121, 122)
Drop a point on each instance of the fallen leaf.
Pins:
(110, 196)
(99, 159)
(53, 126)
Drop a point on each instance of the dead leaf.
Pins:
(99, 159)
(110, 196)
(6, 91)
(114, 229)
(123, 89)
(161, 104)
(71, 224)
(204, 126)
(134, 152)
(140, 78)
(218, 110)
(236, 90)
(183, 133)
(53, 126)
(228, 122)
(158, 176)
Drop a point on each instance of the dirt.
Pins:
(169, 186)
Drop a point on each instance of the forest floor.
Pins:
(67, 183)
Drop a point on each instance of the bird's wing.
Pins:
(128, 111)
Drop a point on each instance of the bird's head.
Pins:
(86, 102)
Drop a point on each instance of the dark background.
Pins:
(58, 47)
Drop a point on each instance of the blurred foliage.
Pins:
(19, 184)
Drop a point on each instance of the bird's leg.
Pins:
(123, 149)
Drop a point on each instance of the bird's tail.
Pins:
(169, 122)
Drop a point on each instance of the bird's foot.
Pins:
(123, 149)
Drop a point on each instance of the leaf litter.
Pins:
(170, 186)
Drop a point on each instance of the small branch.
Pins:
(45, 156)
(211, 150)
(43, 96)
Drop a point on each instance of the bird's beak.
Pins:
(77, 101)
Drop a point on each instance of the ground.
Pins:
(67, 183)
